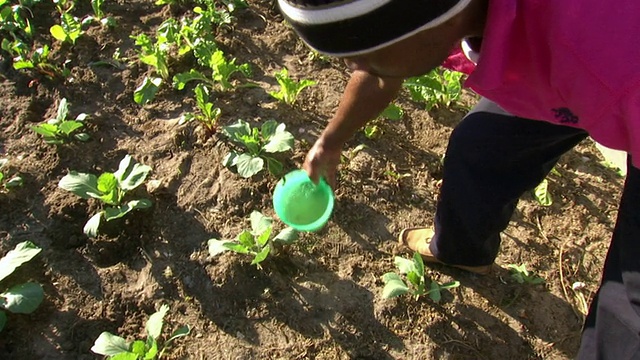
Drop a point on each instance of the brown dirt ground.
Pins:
(320, 299)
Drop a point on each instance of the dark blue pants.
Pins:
(491, 160)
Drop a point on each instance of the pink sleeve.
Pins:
(457, 61)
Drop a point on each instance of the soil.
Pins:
(317, 299)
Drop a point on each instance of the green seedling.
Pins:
(391, 112)
(348, 156)
(520, 274)
(208, 115)
(542, 194)
(256, 242)
(69, 29)
(117, 348)
(14, 18)
(23, 298)
(60, 130)
(440, 87)
(13, 182)
(396, 176)
(221, 69)
(110, 189)
(24, 58)
(416, 285)
(289, 88)
(259, 144)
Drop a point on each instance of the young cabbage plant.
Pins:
(256, 242)
(117, 348)
(208, 115)
(99, 15)
(416, 285)
(12, 182)
(109, 188)
(542, 194)
(520, 274)
(209, 55)
(439, 87)
(26, 59)
(259, 143)
(289, 88)
(60, 130)
(23, 298)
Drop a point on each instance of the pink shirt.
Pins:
(569, 62)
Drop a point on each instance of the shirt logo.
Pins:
(565, 116)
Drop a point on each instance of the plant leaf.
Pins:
(235, 247)
(263, 238)
(248, 165)
(434, 292)
(541, 193)
(110, 345)
(81, 184)
(405, 266)
(261, 255)
(246, 239)
(180, 332)
(154, 324)
(268, 129)
(217, 246)
(22, 253)
(58, 32)
(418, 264)
(139, 347)
(130, 174)
(287, 236)
(116, 212)
(67, 127)
(282, 140)
(24, 298)
(124, 356)
(259, 222)
(91, 227)
(394, 286)
(147, 90)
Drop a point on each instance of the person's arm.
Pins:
(364, 98)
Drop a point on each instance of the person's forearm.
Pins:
(365, 97)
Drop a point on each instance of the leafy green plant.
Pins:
(289, 88)
(208, 115)
(520, 274)
(109, 188)
(155, 54)
(23, 298)
(541, 193)
(117, 348)
(348, 156)
(416, 285)
(99, 15)
(59, 129)
(438, 87)
(14, 18)
(396, 176)
(221, 69)
(38, 60)
(13, 182)
(256, 242)
(259, 144)
(69, 29)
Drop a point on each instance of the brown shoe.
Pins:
(418, 239)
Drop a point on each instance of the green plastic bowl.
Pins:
(300, 203)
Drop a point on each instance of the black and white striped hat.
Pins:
(354, 27)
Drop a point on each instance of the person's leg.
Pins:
(491, 160)
(612, 327)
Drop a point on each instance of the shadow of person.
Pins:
(293, 299)
(516, 311)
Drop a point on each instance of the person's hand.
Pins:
(322, 161)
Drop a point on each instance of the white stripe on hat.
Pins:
(330, 14)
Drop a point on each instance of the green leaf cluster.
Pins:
(117, 348)
(289, 88)
(520, 274)
(208, 115)
(256, 242)
(59, 130)
(221, 68)
(259, 143)
(13, 182)
(23, 298)
(438, 87)
(69, 29)
(14, 18)
(415, 284)
(109, 188)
